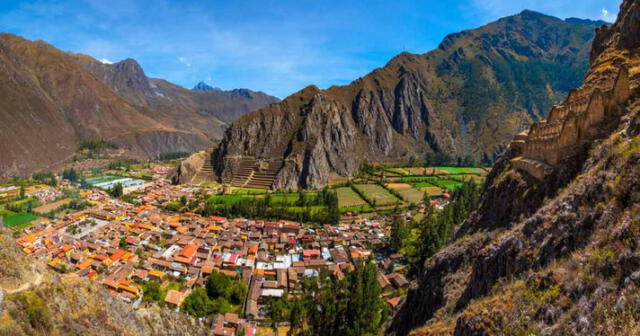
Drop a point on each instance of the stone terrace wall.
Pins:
(569, 124)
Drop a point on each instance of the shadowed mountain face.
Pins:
(467, 98)
(50, 101)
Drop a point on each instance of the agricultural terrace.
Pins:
(349, 200)
(376, 194)
(430, 189)
(407, 192)
(20, 220)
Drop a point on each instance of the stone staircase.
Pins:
(244, 173)
(255, 174)
(264, 178)
(205, 174)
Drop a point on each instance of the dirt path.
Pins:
(27, 285)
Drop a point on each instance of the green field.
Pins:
(430, 189)
(276, 198)
(376, 194)
(411, 195)
(6, 213)
(23, 204)
(349, 198)
(350, 201)
(226, 199)
(449, 184)
(420, 179)
(289, 198)
(460, 170)
(248, 191)
(19, 220)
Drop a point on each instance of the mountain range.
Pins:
(51, 101)
(553, 247)
(463, 100)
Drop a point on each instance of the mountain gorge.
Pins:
(465, 100)
(53, 100)
(553, 247)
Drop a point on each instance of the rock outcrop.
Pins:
(50, 101)
(465, 99)
(553, 248)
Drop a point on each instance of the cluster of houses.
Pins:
(122, 245)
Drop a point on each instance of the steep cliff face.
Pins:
(553, 249)
(466, 98)
(36, 301)
(50, 101)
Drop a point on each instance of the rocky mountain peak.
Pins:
(204, 87)
(129, 74)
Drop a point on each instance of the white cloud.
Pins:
(184, 61)
(106, 61)
(604, 13)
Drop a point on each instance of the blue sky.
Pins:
(276, 46)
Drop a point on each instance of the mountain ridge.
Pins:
(464, 98)
(52, 100)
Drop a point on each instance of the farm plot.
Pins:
(290, 198)
(349, 198)
(448, 184)
(376, 194)
(421, 171)
(20, 220)
(431, 189)
(411, 195)
(43, 209)
(430, 179)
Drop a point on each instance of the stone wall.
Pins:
(571, 123)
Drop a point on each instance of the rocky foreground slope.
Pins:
(36, 301)
(554, 248)
(464, 99)
(51, 100)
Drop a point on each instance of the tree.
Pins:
(238, 292)
(351, 306)
(198, 303)
(152, 292)
(218, 285)
(437, 226)
(22, 192)
(123, 243)
(399, 232)
(279, 309)
(117, 191)
(302, 199)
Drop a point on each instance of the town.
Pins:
(126, 246)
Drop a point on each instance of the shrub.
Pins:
(36, 310)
